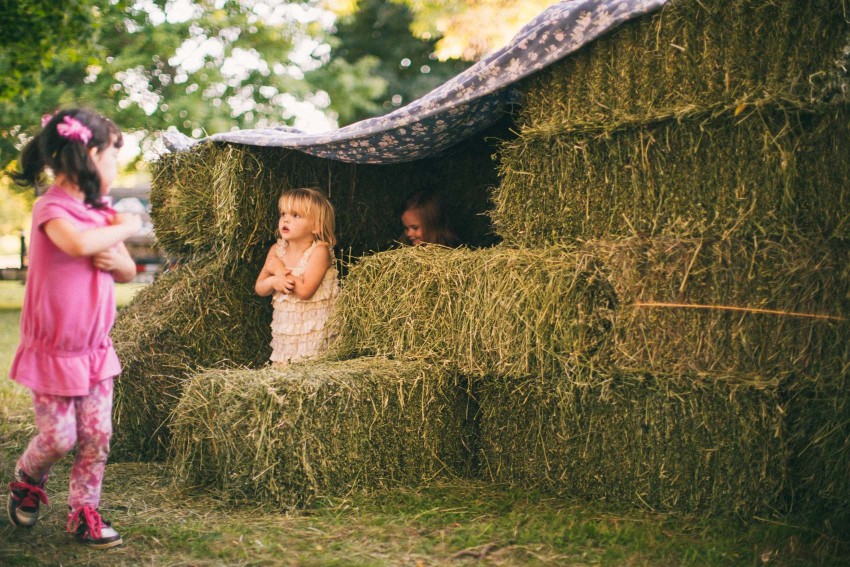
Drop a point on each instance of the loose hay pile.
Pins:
(285, 436)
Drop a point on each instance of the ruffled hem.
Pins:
(299, 322)
(63, 374)
(289, 348)
(299, 345)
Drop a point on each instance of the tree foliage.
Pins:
(205, 66)
(35, 33)
(470, 28)
(199, 66)
(379, 31)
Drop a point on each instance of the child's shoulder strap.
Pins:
(280, 248)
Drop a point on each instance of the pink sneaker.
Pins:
(89, 528)
(25, 497)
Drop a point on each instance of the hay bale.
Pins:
(727, 307)
(766, 171)
(287, 436)
(667, 443)
(696, 55)
(819, 437)
(496, 311)
(200, 314)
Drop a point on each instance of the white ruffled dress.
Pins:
(298, 325)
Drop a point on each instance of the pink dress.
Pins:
(69, 308)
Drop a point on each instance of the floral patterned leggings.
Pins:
(63, 423)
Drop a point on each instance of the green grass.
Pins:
(12, 293)
(459, 524)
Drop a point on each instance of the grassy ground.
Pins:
(458, 524)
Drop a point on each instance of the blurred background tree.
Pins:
(377, 33)
(206, 66)
(468, 29)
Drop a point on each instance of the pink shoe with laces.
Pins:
(25, 497)
(89, 528)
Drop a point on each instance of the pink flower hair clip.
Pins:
(72, 129)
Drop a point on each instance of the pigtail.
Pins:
(32, 164)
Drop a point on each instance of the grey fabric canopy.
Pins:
(461, 107)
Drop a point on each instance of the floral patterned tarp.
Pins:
(461, 107)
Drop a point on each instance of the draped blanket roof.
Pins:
(461, 107)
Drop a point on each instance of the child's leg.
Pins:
(57, 434)
(94, 429)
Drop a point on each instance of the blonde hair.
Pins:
(314, 206)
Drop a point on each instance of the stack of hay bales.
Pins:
(215, 211)
(700, 154)
(665, 323)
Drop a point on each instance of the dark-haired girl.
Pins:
(425, 221)
(65, 356)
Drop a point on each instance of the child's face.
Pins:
(293, 226)
(412, 226)
(106, 163)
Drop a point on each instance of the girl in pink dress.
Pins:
(65, 356)
(300, 275)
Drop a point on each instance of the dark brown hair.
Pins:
(49, 149)
(436, 228)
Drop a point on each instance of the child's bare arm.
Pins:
(117, 261)
(273, 275)
(318, 264)
(89, 242)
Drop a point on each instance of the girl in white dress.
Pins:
(300, 275)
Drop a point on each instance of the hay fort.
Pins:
(652, 308)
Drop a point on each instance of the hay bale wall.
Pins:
(285, 436)
(694, 56)
(704, 119)
(819, 427)
(494, 311)
(543, 312)
(728, 307)
(769, 171)
(202, 314)
(712, 410)
(696, 157)
(667, 443)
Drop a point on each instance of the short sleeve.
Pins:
(44, 211)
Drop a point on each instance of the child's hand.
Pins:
(107, 260)
(289, 283)
(281, 283)
(130, 220)
(281, 271)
